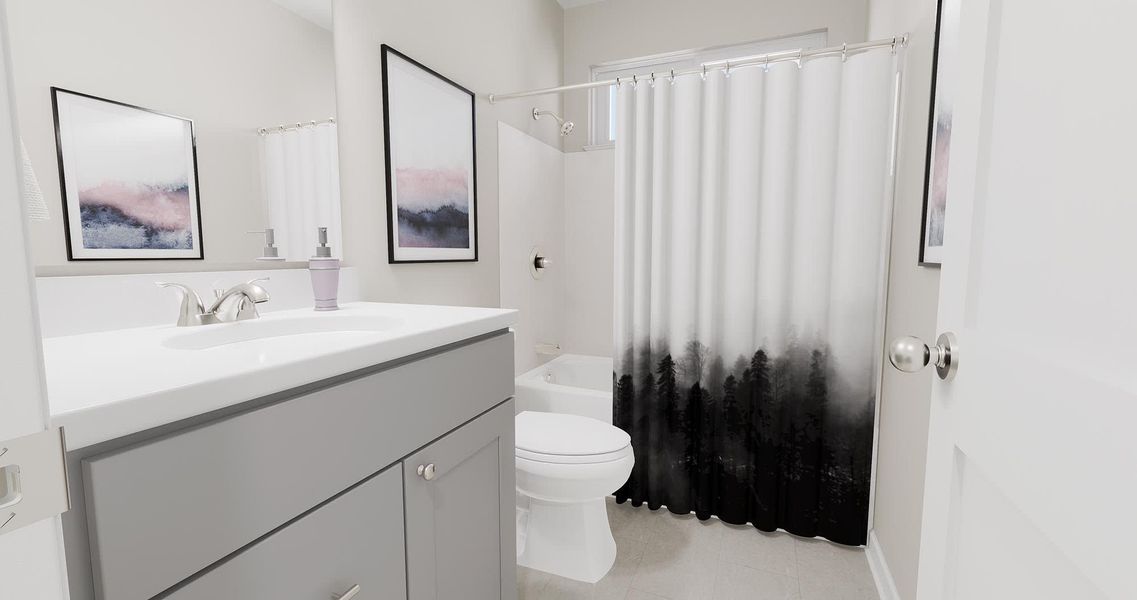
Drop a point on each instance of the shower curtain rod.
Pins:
(293, 127)
(719, 65)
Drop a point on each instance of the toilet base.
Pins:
(571, 540)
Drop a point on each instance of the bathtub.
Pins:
(570, 383)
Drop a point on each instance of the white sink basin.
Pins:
(211, 336)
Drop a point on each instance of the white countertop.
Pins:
(109, 384)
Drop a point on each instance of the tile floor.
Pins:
(661, 556)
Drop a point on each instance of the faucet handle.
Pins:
(191, 309)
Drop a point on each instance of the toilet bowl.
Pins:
(566, 465)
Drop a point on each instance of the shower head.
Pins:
(566, 126)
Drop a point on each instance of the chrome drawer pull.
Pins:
(348, 595)
(426, 471)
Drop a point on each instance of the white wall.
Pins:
(622, 29)
(589, 195)
(532, 189)
(912, 301)
(485, 46)
(230, 65)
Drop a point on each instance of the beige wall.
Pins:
(590, 230)
(912, 300)
(485, 46)
(230, 65)
(622, 29)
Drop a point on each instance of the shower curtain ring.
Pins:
(726, 71)
(798, 59)
(894, 40)
(845, 52)
(703, 76)
(652, 80)
(617, 82)
(671, 79)
(766, 65)
(634, 81)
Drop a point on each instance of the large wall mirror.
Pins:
(158, 134)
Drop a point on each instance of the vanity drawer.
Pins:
(163, 510)
(356, 539)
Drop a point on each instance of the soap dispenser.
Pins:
(270, 252)
(325, 272)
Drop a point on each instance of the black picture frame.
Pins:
(65, 200)
(386, 51)
(929, 153)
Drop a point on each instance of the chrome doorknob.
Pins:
(426, 471)
(910, 354)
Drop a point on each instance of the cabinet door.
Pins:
(356, 539)
(460, 513)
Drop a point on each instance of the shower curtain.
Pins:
(301, 182)
(750, 241)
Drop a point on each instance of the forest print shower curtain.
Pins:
(750, 241)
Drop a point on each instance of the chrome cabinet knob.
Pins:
(910, 354)
(426, 471)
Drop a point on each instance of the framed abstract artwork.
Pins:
(128, 179)
(432, 196)
(939, 133)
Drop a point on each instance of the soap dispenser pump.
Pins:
(270, 252)
(325, 272)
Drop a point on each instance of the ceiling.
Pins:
(320, 11)
(316, 11)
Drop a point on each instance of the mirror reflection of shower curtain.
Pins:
(751, 214)
(301, 183)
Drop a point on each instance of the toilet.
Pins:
(566, 465)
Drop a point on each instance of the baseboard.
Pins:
(885, 585)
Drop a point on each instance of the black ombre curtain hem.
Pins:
(766, 442)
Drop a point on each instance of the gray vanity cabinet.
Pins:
(459, 494)
(280, 499)
(354, 540)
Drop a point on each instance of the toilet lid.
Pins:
(557, 434)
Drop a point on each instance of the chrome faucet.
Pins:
(238, 303)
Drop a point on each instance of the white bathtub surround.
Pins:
(109, 384)
(531, 193)
(751, 207)
(300, 171)
(566, 466)
(589, 209)
(571, 384)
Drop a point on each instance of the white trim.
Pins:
(594, 147)
(881, 575)
(885, 276)
(700, 54)
(567, 4)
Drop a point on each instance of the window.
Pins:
(602, 104)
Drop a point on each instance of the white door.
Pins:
(1031, 488)
(31, 558)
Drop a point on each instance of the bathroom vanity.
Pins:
(370, 457)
